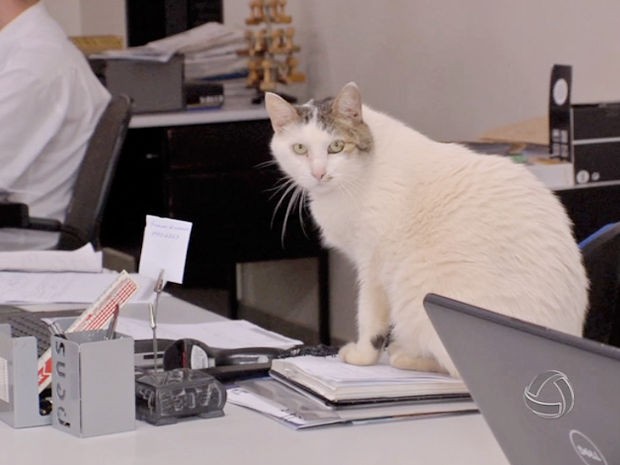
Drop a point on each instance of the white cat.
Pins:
(418, 216)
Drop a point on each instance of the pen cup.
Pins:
(92, 384)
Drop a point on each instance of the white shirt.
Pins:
(50, 101)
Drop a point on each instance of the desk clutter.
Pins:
(96, 372)
(185, 70)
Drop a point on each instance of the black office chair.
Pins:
(601, 256)
(84, 213)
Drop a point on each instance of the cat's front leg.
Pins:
(373, 326)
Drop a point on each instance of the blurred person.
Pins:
(50, 102)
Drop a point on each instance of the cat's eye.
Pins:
(336, 146)
(300, 149)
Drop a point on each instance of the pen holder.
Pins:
(92, 384)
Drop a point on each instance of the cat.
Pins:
(416, 216)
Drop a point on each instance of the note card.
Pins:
(164, 247)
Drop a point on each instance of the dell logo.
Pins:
(549, 395)
(585, 449)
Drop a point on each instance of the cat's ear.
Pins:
(349, 102)
(280, 111)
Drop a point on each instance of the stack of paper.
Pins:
(297, 409)
(18, 288)
(210, 51)
(84, 259)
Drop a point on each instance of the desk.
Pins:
(213, 168)
(245, 437)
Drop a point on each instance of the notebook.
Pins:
(340, 384)
(548, 397)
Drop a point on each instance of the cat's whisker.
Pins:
(266, 164)
(283, 184)
(297, 193)
(287, 187)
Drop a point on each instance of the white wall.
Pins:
(67, 13)
(89, 17)
(451, 68)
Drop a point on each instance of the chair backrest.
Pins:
(92, 185)
(601, 257)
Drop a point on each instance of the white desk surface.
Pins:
(234, 109)
(245, 437)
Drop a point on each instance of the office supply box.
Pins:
(153, 86)
(586, 134)
(93, 383)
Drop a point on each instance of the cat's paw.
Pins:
(359, 354)
(405, 361)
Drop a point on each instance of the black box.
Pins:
(586, 134)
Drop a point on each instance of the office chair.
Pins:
(601, 257)
(84, 213)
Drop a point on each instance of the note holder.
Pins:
(19, 389)
(164, 397)
(93, 383)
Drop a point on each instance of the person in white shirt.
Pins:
(50, 102)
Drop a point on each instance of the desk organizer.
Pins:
(164, 397)
(93, 384)
(19, 390)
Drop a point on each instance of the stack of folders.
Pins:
(312, 391)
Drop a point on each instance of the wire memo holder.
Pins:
(160, 283)
(271, 49)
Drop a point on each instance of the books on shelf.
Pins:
(340, 384)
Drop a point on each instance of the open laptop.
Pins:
(550, 398)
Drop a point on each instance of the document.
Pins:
(84, 259)
(228, 334)
(68, 288)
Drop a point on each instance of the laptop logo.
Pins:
(549, 395)
(585, 449)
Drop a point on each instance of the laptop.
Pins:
(548, 397)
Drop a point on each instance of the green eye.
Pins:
(300, 149)
(336, 146)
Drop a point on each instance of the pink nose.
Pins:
(318, 173)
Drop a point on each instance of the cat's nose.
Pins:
(319, 174)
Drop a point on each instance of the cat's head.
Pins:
(321, 145)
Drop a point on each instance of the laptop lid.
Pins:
(548, 397)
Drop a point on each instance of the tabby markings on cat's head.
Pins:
(313, 141)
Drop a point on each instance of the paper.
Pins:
(300, 411)
(142, 53)
(229, 334)
(69, 288)
(84, 259)
(164, 247)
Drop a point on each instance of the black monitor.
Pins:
(149, 20)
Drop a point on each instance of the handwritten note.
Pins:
(164, 247)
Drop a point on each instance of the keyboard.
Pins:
(27, 324)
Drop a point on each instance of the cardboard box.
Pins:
(588, 135)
